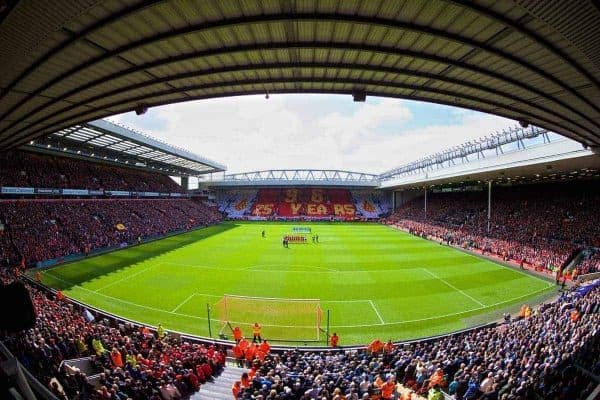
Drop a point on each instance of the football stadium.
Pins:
(294, 199)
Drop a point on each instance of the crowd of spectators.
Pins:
(590, 264)
(541, 225)
(526, 358)
(37, 230)
(131, 363)
(545, 355)
(24, 169)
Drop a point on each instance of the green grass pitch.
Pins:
(374, 280)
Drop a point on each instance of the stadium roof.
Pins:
(65, 62)
(299, 177)
(104, 140)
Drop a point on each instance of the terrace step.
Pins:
(220, 388)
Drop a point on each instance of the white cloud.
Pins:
(251, 133)
(409, 145)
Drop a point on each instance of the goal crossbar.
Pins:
(269, 298)
(283, 318)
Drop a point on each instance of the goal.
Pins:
(281, 319)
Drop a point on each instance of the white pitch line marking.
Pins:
(264, 266)
(126, 278)
(377, 312)
(295, 326)
(454, 287)
(183, 302)
(344, 301)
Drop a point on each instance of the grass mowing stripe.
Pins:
(351, 266)
(445, 315)
(454, 287)
(126, 278)
(256, 268)
(292, 326)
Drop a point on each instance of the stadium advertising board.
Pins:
(116, 193)
(17, 190)
(47, 191)
(75, 192)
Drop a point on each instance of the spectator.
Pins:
(53, 229)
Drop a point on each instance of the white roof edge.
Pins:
(149, 141)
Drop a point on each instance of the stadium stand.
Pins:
(303, 203)
(132, 363)
(546, 355)
(590, 264)
(535, 357)
(541, 225)
(24, 169)
(38, 230)
(236, 203)
(371, 204)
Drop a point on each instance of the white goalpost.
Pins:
(282, 319)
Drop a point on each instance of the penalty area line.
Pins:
(377, 312)
(454, 287)
(118, 300)
(183, 302)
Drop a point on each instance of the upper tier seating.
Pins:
(23, 169)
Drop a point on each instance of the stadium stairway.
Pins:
(220, 388)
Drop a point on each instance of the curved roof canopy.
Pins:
(64, 62)
(103, 140)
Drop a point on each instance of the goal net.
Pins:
(281, 319)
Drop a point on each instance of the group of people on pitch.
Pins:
(298, 239)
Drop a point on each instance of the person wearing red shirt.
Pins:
(193, 380)
(243, 344)
(250, 353)
(238, 353)
(388, 347)
(200, 374)
(237, 334)
(115, 356)
(375, 347)
(333, 340)
(387, 389)
(236, 389)
(220, 358)
(208, 372)
(246, 381)
(265, 347)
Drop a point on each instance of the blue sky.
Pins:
(313, 131)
